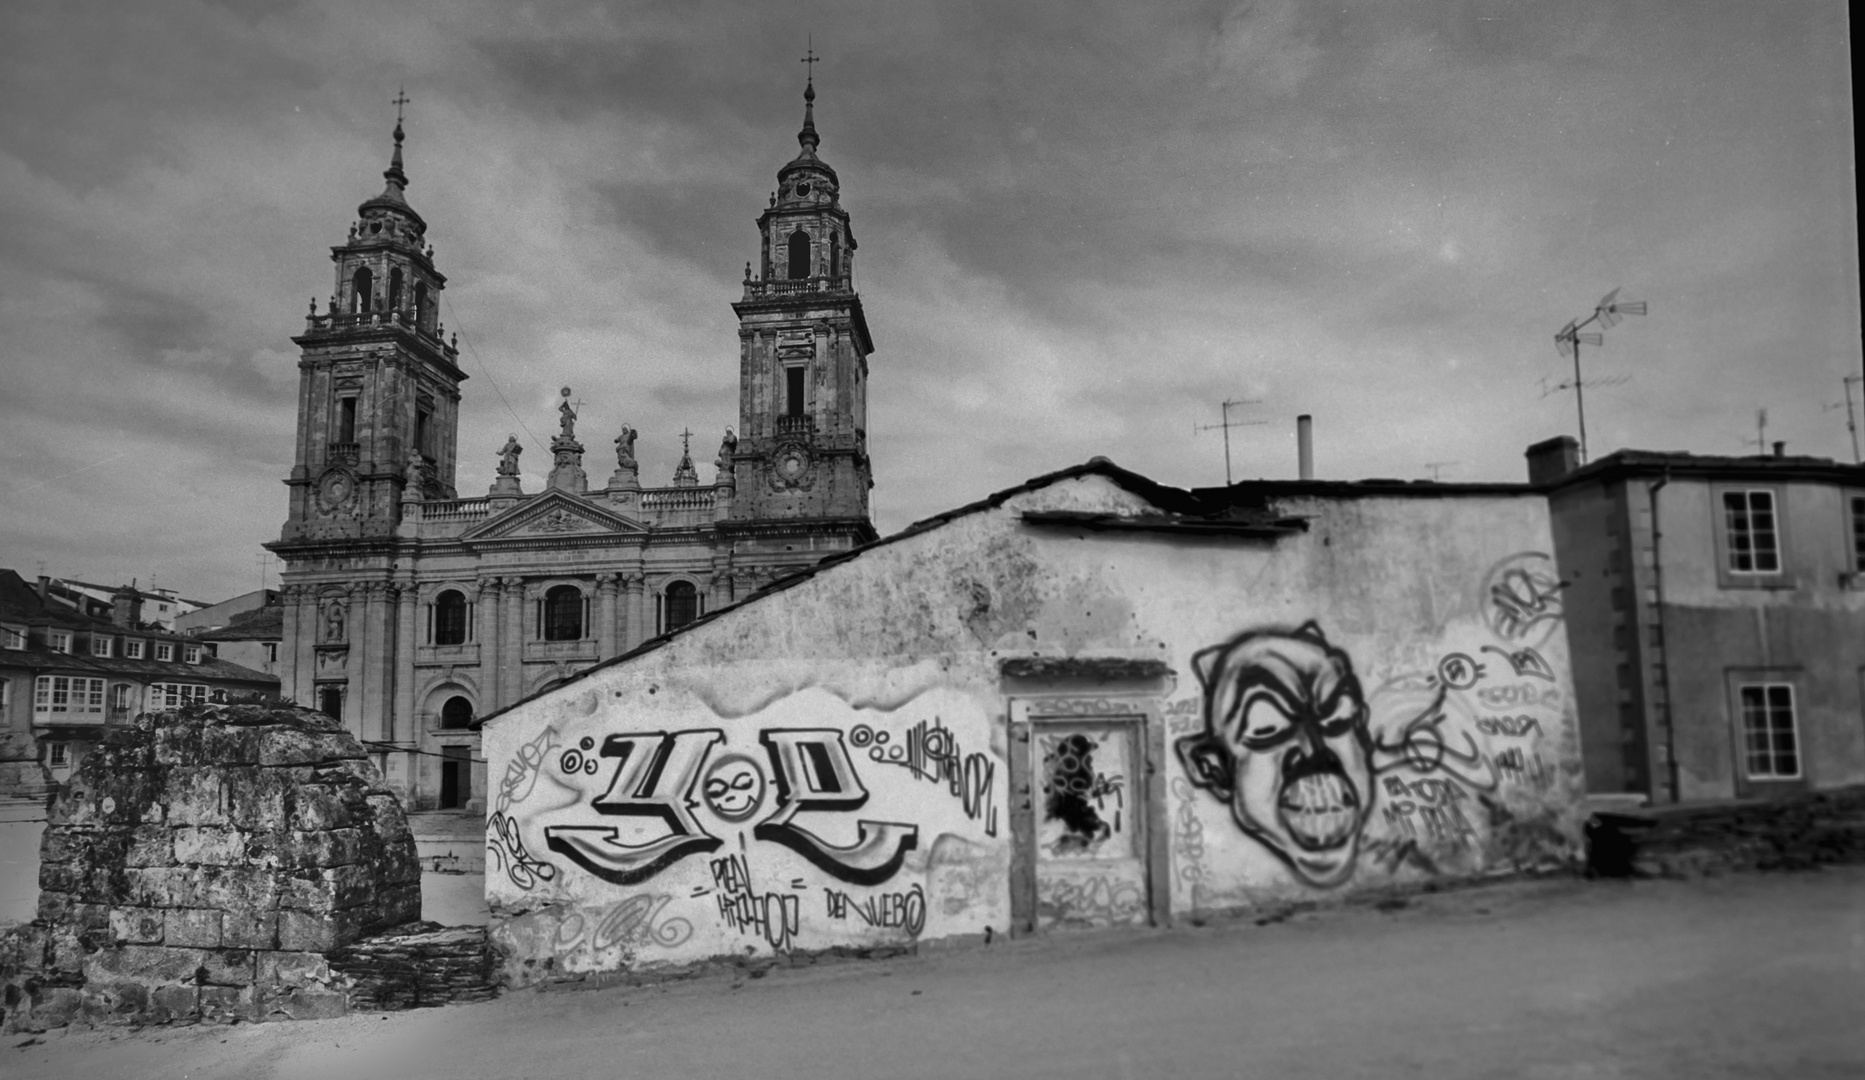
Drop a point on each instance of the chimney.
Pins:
(44, 589)
(1780, 449)
(1551, 459)
(126, 607)
(1305, 446)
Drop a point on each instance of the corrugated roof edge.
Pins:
(1175, 500)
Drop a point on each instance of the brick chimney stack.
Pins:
(1551, 459)
(126, 607)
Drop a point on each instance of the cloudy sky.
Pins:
(1082, 225)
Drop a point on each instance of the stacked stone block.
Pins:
(1791, 832)
(417, 967)
(200, 863)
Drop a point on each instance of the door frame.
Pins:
(1029, 712)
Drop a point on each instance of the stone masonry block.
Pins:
(106, 1002)
(250, 929)
(304, 1004)
(305, 893)
(196, 796)
(231, 745)
(163, 886)
(349, 886)
(310, 750)
(174, 1002)
(227, 1003)
(257, 798)
(317, 807)
(228, 967)
(179, 744)
(137, 925)
(192, 928)
(211, 846)
(150, 845)
(289, 969)
(148, 963)
(307, 932)
(337, 847)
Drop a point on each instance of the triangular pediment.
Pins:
(554, 513)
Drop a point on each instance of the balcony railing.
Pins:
(344, 453)
(358, 319)
(796, 426)
(457, 510)
(681, 498)
(759, 290)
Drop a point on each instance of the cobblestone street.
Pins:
(1754, 975)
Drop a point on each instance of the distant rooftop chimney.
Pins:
(1305, 446)
(1780, 449)
(1551, 459)
(126, 607)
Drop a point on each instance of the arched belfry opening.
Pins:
(799, 255)
(362, 287)
(395, 289)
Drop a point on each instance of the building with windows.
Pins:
(210, 617)
(67, 674)
(1716, 610)
(160, 607)
(410, 607)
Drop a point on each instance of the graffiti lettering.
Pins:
(1526, 662)
(1522, 597)
(521, 775)
(1070, 783)
(1459, 672)
(814, 773)
(656, 782)
(1519, 768)
(776, 916)
(1440, 824)
(634, 920)
(1098, 899)
(508, 847)
(1508, 694)
(1188, 840)
(1513, 726)
(1429, 789)
(890, 911)
(930, 751)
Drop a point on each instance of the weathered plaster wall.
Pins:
(834, 765)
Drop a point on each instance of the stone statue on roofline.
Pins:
(508, 456)
(625, 448)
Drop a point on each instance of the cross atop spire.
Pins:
(401, 98)
(811, 59)
(807, 137)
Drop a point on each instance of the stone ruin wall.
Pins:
(200, 864)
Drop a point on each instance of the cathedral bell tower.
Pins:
(802, 449)
(378, 389)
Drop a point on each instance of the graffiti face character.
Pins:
(1286, 745)
(734, 787)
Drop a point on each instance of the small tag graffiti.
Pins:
(775, 916)
(883, 911)
(930, 751)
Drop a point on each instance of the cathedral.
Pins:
(411, 608)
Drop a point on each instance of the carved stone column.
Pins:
(632, 633)
(607, 638)
(372, 634)
(401, 722)
(512, 663)
(296, 673)
(486, 630)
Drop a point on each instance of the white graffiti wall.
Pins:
(805, 824)
(1381, 695)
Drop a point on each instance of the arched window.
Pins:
(420, 307)
(395, 289)
(799, 255)
(456, 713)
(362, 287)
(563, 614)
(450, 619)
(682, 604)
(835, 256)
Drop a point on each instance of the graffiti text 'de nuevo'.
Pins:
(654, 775)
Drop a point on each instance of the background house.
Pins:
(67, 674)
(1716, 612)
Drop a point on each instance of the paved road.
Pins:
(1738, 976)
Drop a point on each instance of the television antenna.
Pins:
(1607, 313)
(1226, 424)
(1437, 468)
(1852, 426)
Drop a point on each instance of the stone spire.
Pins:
(686, 475)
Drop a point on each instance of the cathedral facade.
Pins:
(410, 608)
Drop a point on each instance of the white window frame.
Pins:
(100, 645)
(164, 651)
(271, 651)
(1734, 552)
(1768, 737)
(6, 698)
(121, 697)
(70, 695)
(58, 641)
(14, 639)
(56, 754)
(191, 653)
(132, 648)
(171, 695)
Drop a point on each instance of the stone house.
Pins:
(1090, 700)
(409, 608)
(68, 674)
(1716, 609)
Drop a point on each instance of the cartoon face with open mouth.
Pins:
(1286, 745)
